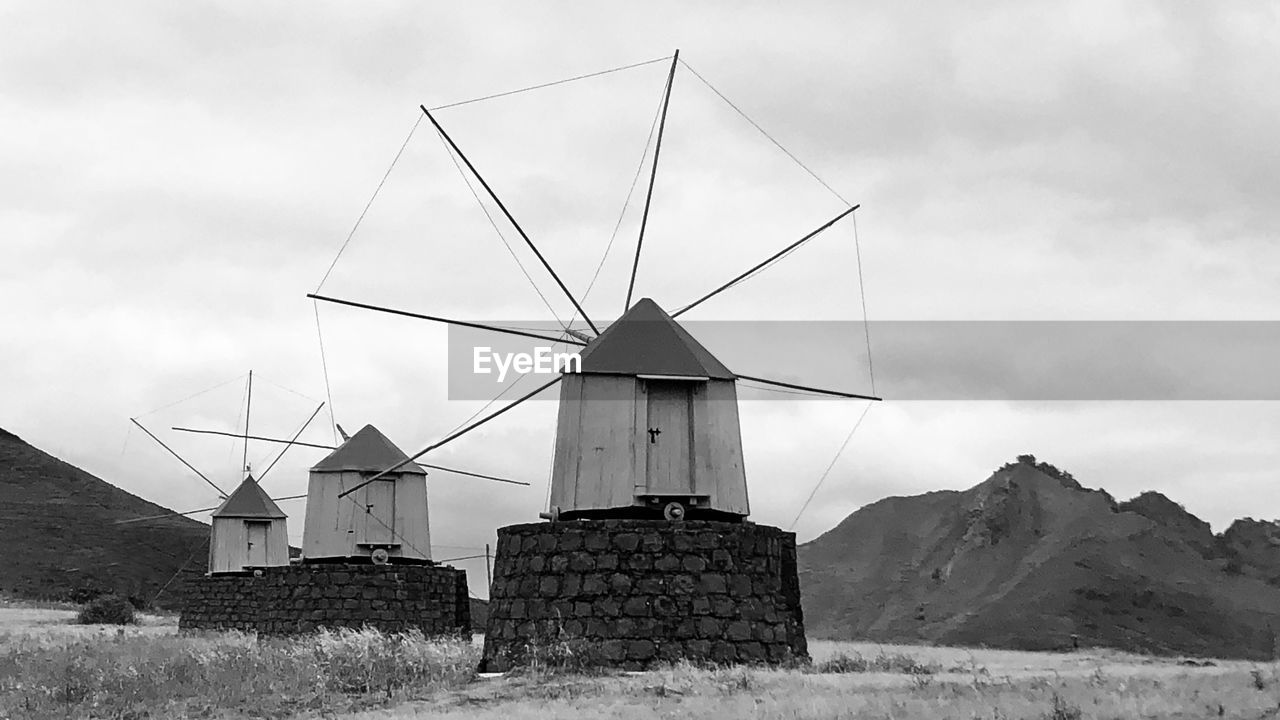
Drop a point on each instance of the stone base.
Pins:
(301, 598)
(634, 593)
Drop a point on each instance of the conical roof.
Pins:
(249, 501)
(367, 451)
(647, 341)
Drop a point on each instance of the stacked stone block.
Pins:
(301, 598)
(634, 593)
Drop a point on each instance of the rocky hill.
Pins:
(1029, 558)
(58, 539)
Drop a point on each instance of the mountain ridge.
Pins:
(60, 540)
(1031, 559)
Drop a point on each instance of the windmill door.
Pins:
(376, 524)
(256, 537)
(668, 436)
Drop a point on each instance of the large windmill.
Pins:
(646, 558)
(650, 421)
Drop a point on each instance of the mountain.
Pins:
(58, 539)
(1028, 558)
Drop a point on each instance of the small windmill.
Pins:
(650, 422)
(386, 521)
(248, 529)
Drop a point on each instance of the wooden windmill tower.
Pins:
(382, 519)
(650, 421)
(347, 517)
(648, 426)
(248, 531)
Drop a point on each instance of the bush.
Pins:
(1063, 710)
(85, 593)
(888, 663)
(107, 610)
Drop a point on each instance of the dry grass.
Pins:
(50, 667)
(1116, 690)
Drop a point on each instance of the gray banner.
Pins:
(930, 360)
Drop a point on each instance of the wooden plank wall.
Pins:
(718, 466)
(335, 526)
(412, 518)
(564, 463)
(229, 544)
(596, 457)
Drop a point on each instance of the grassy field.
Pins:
(50, 667)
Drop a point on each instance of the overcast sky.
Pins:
(178, 176)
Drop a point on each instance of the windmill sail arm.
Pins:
(453, 436)
(252, 437)
(292, 441)
(502, 206)
(653, 176)
(742, 276)
(184, 513)
(806, 388)
(441, 468)
(467, 473)
(182, 460)
(448, 321)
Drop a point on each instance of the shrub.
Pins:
(1063, 710)
(85, 593)
(553, 657)
(107, 610)
(887, 663)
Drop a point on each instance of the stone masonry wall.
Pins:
(300, 598)
(632, 593)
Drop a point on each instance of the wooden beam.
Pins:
(180, 458)
(653, 175)
(837, 393)
(184, 513)
(248, 405)
(441, 468)
(433, 318)
(764, 262)
(510, 219)
(252, 437)
(289, 444)
(451, 438)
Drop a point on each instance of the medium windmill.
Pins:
(348, 542)
(387, 521)
(650, 422)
